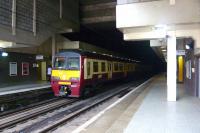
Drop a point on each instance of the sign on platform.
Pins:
(39, 57)
(180, 52)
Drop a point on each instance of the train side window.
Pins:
(103, 66)
(88, 68)
(125, 67)
(95, 66)
(109, 67)
(129, 67)
(121, 67)
(116, 66)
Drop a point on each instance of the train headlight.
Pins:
(74, 78)
(55, 78)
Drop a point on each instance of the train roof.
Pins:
(77, 53)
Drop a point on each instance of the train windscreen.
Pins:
(73, 63)
(59, 62)
(70, 63)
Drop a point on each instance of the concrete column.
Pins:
(61, 9)
(53, 47)
(14, 17)
(171, 68)
(34, 18)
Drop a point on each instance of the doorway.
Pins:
(43, 71)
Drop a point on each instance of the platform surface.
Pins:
(23, 87)
(156, 115)
(151, 113)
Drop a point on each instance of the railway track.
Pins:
(9, 113)
(71, 109)
(75, 114)
(11, 102)
(50, 124)
(11, 119)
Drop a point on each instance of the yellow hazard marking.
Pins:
(66, 74)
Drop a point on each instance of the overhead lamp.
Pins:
(163, 47)
(5, 44)
(164, 50)
(4, 54)
(160, 30)
(160, 27)
(187, 46)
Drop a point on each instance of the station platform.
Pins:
(6, 89)
(150, 112)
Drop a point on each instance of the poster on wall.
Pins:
(25, 68)
(13, 68)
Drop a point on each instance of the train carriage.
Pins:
(75, 73)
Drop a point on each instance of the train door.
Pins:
(88, 69)
(43, 71)
(109, 70)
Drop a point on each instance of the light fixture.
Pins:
(160, 27)
(4, 54)
(163, 47)
(164, 50)
(5, 44)
(187, 46)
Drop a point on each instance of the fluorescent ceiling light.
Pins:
(163, 47)
(4, 54)
(5, 44)
(187, 46)
(160, 27)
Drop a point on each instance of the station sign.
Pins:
(39, 57)
(180, 52)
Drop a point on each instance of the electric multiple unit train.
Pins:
(75, 73)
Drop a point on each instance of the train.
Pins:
(76, 73)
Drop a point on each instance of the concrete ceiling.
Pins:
(101, 31)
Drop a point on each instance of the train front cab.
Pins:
(66, 75)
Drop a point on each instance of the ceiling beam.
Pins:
(98, 19)
(98, 6)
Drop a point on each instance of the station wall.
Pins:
(19, 58)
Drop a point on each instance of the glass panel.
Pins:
(59, 62)
(116, 67)
(103, 67)
(121, 66)
(13, 68)
(73, 63)
(25, 68)
(95, 66)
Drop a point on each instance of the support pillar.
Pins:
(171, 68)
(14, 17)
(34, 18)
(61, 9)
